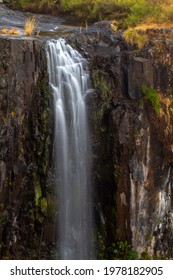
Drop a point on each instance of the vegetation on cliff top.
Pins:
(127, 13)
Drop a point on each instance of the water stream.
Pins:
(69, 84)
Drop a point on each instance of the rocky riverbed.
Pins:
(48, 26)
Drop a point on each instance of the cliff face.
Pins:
(132, 144)
(132, 140)
(150, 164)
(134, 170)
(24, 147)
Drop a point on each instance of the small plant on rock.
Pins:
(132, 36)
(30, 26)
(152, 96)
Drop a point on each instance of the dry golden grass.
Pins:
(132, 36)
(129, 35)
(9, 31)
(13, 32)
(137, 34)
(4, 31)
(30, 26)
(144, 27)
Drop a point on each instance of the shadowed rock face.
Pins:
(24, 141)
(132, 145)
(141, 152)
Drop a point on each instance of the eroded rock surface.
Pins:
(24, 147)
(132, 144)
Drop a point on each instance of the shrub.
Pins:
(48, 3)
(80, 8)
(103, 9)
(143, 11)
(121, 250)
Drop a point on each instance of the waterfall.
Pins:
(69, 84)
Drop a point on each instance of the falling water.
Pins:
(70, 84)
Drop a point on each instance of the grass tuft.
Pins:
(4, 31)
(152, 96)
(13, 32)
(9, 31)
(30, 26)
(132, 36)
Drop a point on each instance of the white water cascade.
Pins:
(69, 84)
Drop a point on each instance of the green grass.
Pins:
(152, 96)
(128, 13)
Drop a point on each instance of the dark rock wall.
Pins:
(132, 144)
(142, 150)
(25, 140)
(150, 165)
